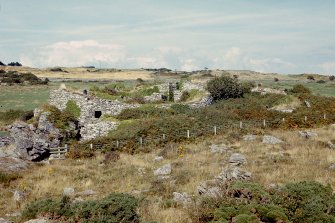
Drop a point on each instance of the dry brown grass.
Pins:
(82, 73)
(300, 159)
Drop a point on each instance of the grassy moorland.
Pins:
(290, 182)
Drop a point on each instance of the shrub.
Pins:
(224, 87)
(115, 208)
(310, 77)
(73, 108)
(300, 89)
(321, 82)
(303, 202)
(8, 117)
(2, 64)
(171, 92)
(276, 79)
(184, 96)
(332, 78)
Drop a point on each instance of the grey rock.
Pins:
(41, 220)
(182, 198)
(332, 166)
(5, 141)
(18, 196)
(88, 192)
(33, 143)
(68, 191)
(164, 170)
(221, 148)
(14, 214)
(308, 105)
(210, 188)
(159, 158)
(267, 139)
(2, 220)
(237, 159)
(12, 164)
(330, 145)
(233, 174)
(307, 134)
(249, 137)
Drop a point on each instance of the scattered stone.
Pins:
(68, 191)
(330, 145)
(94, 129)
(182, 198)
(164, 170)
(88, 192)
(233, 174)
(15, 214)
(222, 148)
(237, 159)
(249, 137)
(209, 188)
(308, 105)
(18, 196)
(141, 171)
(159, 158)
(2, 220)
(265, 91)
(78, 200)
(307, 134)
(267, 139)
(42, 220)
(332, 166)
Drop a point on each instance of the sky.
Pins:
(286, 36)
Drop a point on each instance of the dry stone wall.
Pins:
(90, 106)
(91, 109)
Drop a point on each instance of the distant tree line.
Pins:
(12, 64)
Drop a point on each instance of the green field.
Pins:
(29, 97)
(326, 89)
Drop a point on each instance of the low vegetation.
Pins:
(303, 202)
(115, 208)
(12, 77)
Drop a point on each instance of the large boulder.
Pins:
(268, 139)
(164, 170)
(33, 143)
(237, 159)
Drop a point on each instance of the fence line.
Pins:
(59, 152)
(206, 129)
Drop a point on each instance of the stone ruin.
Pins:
(91, 111)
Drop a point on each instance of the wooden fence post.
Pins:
(324, 116)
(188, 134)
(117, 143)
(241, 125)
(214, 130)
(264, 123)
(164, 137)
(305, 118)
(141, 141)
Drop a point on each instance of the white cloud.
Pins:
(76, 53)
(269, 65)
(189, 65)
(328, 67)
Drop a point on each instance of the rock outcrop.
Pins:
(5, 141)
(33, 143)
